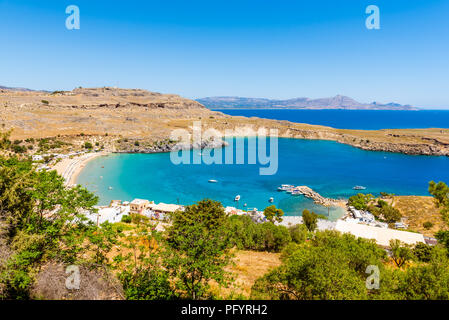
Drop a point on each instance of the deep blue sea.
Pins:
(354, 119)
(328, 167)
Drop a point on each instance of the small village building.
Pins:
(137, 206)
(115, 203)
(37, 157)
(163, 208)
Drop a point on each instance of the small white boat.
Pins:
(271, 199)
(110, 188)
(237, 198)
(245, 205)
(213, 181)
(359, 188)
(296, 193)
(285, 187)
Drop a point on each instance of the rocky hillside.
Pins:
(92, 98)
(337, 102)
(134, 120)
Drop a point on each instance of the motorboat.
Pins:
(359, 188)
(237, 198)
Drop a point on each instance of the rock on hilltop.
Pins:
(106, 97)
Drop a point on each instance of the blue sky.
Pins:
(272, 49)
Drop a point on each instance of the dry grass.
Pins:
(418, 210)
(95, 284)
(249, 266)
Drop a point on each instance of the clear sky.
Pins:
(273, 49)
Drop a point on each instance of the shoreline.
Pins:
(70, 169)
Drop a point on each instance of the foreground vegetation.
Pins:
(43, 230)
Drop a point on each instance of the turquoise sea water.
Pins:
(330, 168)
(354, 119)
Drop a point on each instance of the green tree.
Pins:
(141, 274)
(360, 201)
(43, 220)
(385, 211)
(273, 214)
(197, 248)
(423, 252)
(440, 191)
(310, 219)
(5, 143)
(244, 233)
(401, 252)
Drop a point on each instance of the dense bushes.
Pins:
(334, 266)
(298, 233)
(147, 284)
(39, 217)
(246, 234)
(330, 266)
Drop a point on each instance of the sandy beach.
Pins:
(69, 169)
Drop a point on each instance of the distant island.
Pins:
(337, 102)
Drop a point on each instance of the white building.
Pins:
(382, 236)
(37, 157)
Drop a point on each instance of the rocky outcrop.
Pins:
(428, 146)
(168, 146)
(316, 197)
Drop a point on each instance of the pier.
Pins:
(316, 197)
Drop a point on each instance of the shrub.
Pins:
(427, 225)
(45, 102)
(18, 149)
(298, 233)
(275, 238)
(422, 252)
(147, 284)
(246, 234)
(310, 219)
(126, 219)
(88, 145)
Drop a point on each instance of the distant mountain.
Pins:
(337, 102)
(15, 89)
